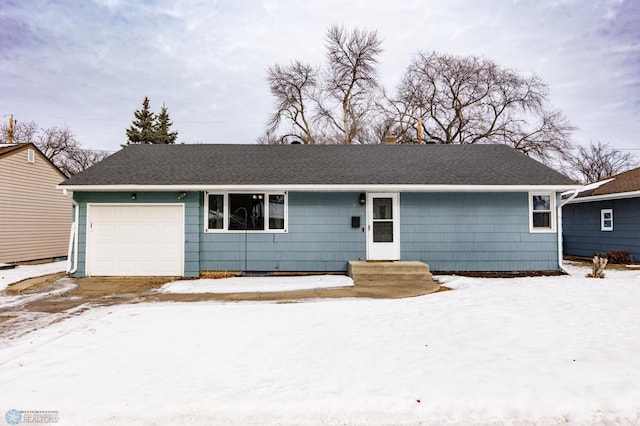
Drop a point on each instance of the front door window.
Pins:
(382, 220)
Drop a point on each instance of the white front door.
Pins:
(383, 226)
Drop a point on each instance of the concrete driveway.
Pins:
(36, 302)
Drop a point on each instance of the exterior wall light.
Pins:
(362, 199)
(182, 195)
(134, 195)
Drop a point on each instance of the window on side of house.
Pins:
(215, 211)
(606, 220)
(276, 211)
(541, 212)
(247, 211)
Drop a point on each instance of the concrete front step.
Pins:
(405, 265)
(391, 277)
(390, 273)
(404, 284)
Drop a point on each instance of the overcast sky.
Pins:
(88, 64)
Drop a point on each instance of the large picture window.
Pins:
(541, 212)
(247, 211)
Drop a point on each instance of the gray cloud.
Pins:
(89, 64)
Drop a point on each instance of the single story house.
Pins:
(605, 217)
(179, 210)
(35, 217)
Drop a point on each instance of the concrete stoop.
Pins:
(392, 273)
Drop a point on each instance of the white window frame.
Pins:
(31, 156)
(225, 225)
(551, 211)
(603, 227)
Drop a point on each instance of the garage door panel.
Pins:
(130, 214)
(103, 251)
(135, 240)
(109, 230)
(127, 225)
(125, 267)
(169, 237)
(127, 250)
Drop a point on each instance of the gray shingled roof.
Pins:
(318, 165)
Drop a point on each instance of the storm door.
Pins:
(383, 226)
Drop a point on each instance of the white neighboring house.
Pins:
(35, 217)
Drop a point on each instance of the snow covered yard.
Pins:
(257, 284)
(21, 272)
(544, 350)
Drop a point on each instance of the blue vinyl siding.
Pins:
(449, 231)
(474, 232)
(319, 238)
(581, 231)
(82, 238)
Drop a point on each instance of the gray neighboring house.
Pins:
(179, 210)
(605, 217)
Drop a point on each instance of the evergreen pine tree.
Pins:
(163, 124)
(143, 128)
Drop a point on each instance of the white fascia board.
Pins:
(619, 195)
(319, 188)
(596, 185)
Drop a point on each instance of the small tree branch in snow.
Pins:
(599, 263)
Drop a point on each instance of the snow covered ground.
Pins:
(21, 272)
(545, 350)
(257, 284)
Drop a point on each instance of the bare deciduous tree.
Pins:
(294, 88)
(82, 159)
(57, 144)
(457, 99)
(22, 132)
(60, 146)
(269, 138)
(467, 99)
(599, 161)
(334, 106)
(351, 82)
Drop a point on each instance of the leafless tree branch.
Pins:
(59, 145)
(293, 87)
(468, 99)
(599, 161)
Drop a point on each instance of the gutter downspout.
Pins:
(573, 195)
(73, 238)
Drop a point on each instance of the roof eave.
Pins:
(321, 188)
(604, 197)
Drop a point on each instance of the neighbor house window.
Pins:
(606, 220)
(541, 217)
(247, 211)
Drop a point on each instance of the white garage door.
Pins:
(135, 240)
